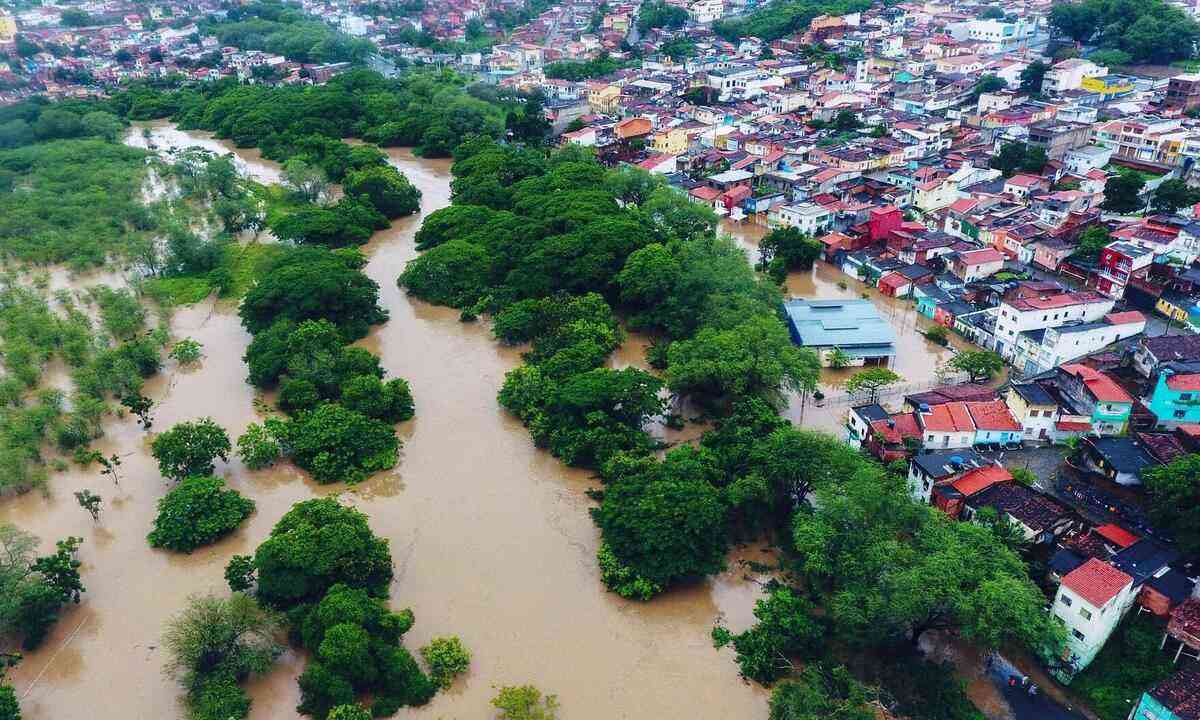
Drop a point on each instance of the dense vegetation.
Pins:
(576, 70)
(306, 308)
(784, 17)
(108, 361)
(329, 574)
(1174, 492)
(197, 512)
(1144, 30)
(215, 643)
(1130, 663)
(554, 248)
(431, 112)
(286, 30)
(33, 590)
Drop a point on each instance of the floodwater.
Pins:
(917, 359)
(490, 536)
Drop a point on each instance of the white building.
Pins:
(809, 218)
(1046, 310)
(706, 11)
(1091, 601)
(1069, 74)
(1038, 351)
(1089, 157)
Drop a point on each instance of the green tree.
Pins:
(1032, 76)
(1174, 492)
(189, 448)
(349, 712)
(336, 444)
(316, 545)
(823, 694)
(198, 511)
(186, 351)
(1091, 241)
(1172, 195)
(447, 658)
(313, 284)
(257, 447)
(986, 84)
(307, 181)
(385, 188)
(90, 502)
(214, 635)
(525, 702)
(980, 365)
(786, 630)
(789, 249)
(662, 521)
(755, 358)
(871, 381)
(1122, 193)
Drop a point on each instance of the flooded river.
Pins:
(490, 536)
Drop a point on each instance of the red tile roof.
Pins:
(1073, 426)
(1102, 387)
(1120, 318)
(993, 415)
(1184, 383)
(980, 257)
(981, 479)
(1117, 535)
(1096, 582)
(705, 193)
(950, 417)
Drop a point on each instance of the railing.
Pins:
(841, 397)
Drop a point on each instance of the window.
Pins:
(1078, 635)
(1180, 413)
(1185, 397)
(1066, 600)
(1085, 613)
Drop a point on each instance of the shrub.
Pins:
(446, 658)
(197, 512)
(257, 447)
(339, 445)
(189, 448)
(297, 395)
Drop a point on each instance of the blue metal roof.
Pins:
(839, 323)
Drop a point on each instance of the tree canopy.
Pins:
(1174, 491)
(1149, 31)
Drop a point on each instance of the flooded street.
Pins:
(490, 536)
(917, 359)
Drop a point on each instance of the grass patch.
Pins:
(245, 264)
(1129, 664)
(178, 290)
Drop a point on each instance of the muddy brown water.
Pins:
(490, 536)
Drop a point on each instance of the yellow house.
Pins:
(8, 28)
(670, 142)
(1108, 85)
(1174, 305)
(935, 194)
(605, 99)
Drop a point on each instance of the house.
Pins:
(1091, 601)
(1034, 408)
(1177, 306)
(972, 265)
(994, 423)
(1020, 186)
(1119, 263)
(1151, 352)
(852, 326)
(952, 497)
(1176, 698)
(1035, 306)
(809, 218)
(891, 438)
(1120, 459)
(1109, 404)
(967, 392)
(1176, 396)
(1037, 351)
(927, 469)
(1040, 518)
(859, 421)
(946, 426)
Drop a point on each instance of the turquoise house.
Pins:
(928, 297)
(1176, 698)
(1176, 397)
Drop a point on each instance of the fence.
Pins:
(841, 397)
